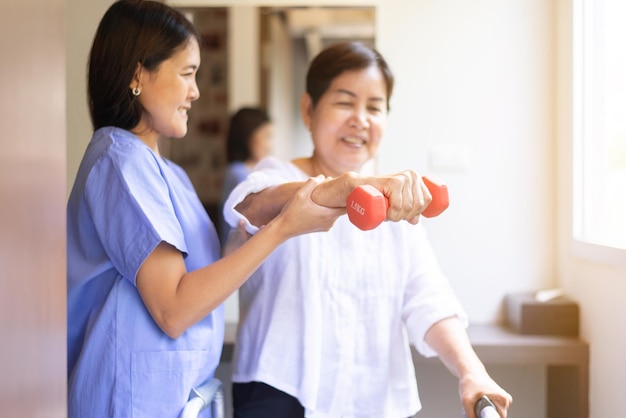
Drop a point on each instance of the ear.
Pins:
(136, 77)
(306, 110)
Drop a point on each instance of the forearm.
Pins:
(208, 287)
(407, 196)
(449, 339)
(260, 208)
(177, 299)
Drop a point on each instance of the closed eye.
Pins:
(190, 71)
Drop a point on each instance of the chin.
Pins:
(178, 133)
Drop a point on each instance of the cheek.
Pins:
(376, 136)
(373, 146)
(377, 130)
(327, 119)
(326, 133)
(267, 145)
(257, 144)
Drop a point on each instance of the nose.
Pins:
(360, 119)
(194, 91)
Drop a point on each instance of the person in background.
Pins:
(145, 282)
(326, 321)
(248, 141)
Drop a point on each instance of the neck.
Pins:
(150, 138)
(312, 167)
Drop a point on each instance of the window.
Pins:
(600, 123)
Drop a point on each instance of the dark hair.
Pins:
(243, 123)
(341, 57)
(130, 32)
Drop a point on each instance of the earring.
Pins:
(136, 91)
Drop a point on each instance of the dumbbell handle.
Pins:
(367, 206)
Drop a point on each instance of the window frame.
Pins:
(582, 245)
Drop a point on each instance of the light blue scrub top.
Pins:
(125, 201)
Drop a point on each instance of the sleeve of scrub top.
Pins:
(129, 202)
(428, 296)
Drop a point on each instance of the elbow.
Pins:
(246, 205)
(250, 209)
(171, 326)
(173, 333)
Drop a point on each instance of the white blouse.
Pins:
(328, 318)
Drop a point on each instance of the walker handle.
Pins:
(486, 409)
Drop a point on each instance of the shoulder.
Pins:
(125, 145)
(119, 147)
(117, 157)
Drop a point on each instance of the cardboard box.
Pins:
(526, 315)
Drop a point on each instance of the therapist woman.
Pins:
(144, 284)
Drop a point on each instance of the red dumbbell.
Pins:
(367, 206)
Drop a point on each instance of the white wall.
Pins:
(478, 76)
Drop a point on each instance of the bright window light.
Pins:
(600, 123)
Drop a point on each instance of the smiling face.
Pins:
(166, 95)
(348, 121)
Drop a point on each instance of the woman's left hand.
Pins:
(474, 385)
(449, 339)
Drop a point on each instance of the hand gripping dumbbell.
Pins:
(367, 206)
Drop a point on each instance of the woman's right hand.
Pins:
(301, 215)
(406, 193)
